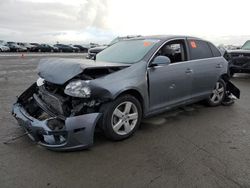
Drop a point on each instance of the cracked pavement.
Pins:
(194, 146)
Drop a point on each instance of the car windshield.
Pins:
(130, 51)
(246, 46)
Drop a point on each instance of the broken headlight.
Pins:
(78, 88)
(40, 82)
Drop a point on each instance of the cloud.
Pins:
(47, 21)
(101, 20)
(94, 14)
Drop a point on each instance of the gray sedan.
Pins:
(126, 82)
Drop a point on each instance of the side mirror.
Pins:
(161, 60)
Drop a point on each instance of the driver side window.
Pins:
(175, 50)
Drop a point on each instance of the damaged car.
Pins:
(239, 59)
(131, 80)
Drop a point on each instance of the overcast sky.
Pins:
(83, 21)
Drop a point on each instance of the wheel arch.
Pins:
(225, 77)
(135, 93)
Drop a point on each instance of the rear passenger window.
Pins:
(215, 51)
(199, 49)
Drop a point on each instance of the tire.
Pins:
(218, 94)
(116, 123)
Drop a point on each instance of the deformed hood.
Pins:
(60, 70)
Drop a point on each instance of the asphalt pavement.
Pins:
(195, 146)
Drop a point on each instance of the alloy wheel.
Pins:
(124, 118)
(218, 93)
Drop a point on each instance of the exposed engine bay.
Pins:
(50, 98)
(51, 117)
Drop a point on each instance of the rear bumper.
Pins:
(77, 132)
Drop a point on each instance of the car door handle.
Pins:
(172, 86)
(188, 71)
(219, 65)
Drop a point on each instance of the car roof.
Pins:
(165, 37)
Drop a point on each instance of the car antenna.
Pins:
(8, 141)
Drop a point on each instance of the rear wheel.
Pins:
(121, 117)
(218, 94)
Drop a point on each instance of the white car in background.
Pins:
(4, 48)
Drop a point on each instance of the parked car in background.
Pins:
(35, 44)
(46, 48)
(75, 49)
(64, 48)
(82, 48)
(29, 46)
(14, 47)
(239, 60)
(95, 50)
(128, 81)
(92, 45)
(4, 47)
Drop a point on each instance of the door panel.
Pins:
(205, 76)
(206, 67)
(169, 84)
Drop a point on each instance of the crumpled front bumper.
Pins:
(77, 133)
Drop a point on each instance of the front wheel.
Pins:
(121, 117)
(218, 94)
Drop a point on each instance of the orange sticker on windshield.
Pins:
(146, 43)
(193, 44)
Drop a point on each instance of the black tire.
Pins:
(108, 117)
(220, 96)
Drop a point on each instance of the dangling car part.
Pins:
(128, 81)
